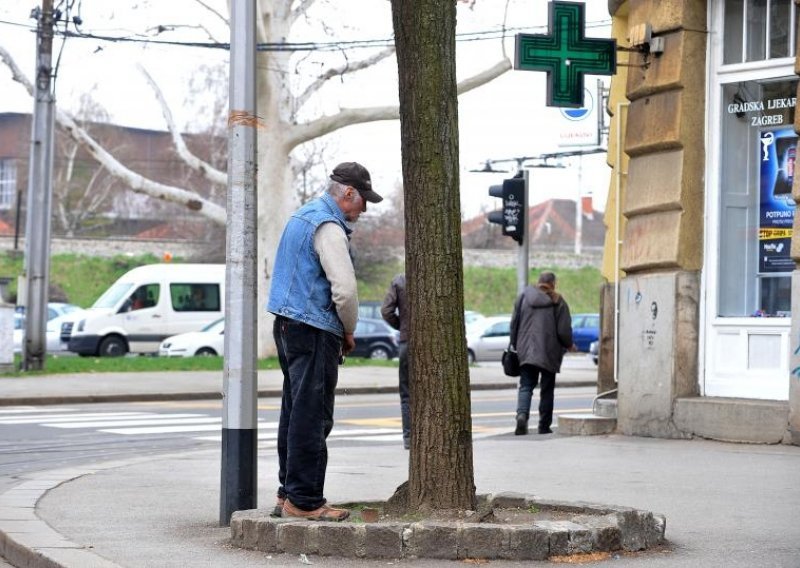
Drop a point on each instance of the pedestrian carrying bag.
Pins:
(510, 357)
(511, 362)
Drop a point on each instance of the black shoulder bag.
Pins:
(510, 358)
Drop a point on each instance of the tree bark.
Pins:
(441, 475)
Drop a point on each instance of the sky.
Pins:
(505, 119)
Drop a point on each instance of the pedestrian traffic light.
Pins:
(512, 215)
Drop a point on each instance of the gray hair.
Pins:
(336, 189)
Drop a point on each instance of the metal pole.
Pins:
(240, 414)
(579, 208)
(524, 246)
(37, 227)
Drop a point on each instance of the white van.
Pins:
(147, 305)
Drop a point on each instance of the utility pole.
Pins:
(239, 414)
(40, 192)
(523, 255)
(579, 208)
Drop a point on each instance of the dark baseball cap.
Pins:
(357, 176)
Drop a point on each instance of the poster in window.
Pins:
(777, 159)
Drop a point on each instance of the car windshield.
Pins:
(113, 295)
(218, 324)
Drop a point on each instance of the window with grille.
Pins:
(8, 183)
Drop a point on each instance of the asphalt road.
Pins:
(48, 437)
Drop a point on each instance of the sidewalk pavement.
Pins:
(578, 370)
(726, 504)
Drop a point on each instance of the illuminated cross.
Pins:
(565, 54)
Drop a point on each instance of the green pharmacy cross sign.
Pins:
(565, 54)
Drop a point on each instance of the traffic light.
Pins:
(512, 215)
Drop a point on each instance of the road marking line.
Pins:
(30, 409)
(78, 417)
(127, 423)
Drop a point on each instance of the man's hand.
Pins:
(349, 343)
(573, 348)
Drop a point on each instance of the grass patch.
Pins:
(486, 290)
(493, 290)
(60, 365)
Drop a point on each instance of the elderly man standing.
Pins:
(313, 296)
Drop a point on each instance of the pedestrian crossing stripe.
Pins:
(132, 423)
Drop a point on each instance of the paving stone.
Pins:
(529, 543)
(384, 541)
(267, 531)
(484, 541)
(337, 539)
(580, 541)
(559, 535)
(434, 540)
(605, 531)
(297, 537)
(511, 500)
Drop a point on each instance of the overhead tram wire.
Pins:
(483, 35)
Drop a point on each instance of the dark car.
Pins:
(369, 310)
(585, 329)
(375, 339)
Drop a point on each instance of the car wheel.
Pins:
(205, 352)
(470, 356)
(112, 346)
(379, 352)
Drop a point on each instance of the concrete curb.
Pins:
(588, 528)
(26, 540)
(214, 395)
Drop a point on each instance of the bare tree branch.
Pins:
(206, 170)
(213, 11)
(301, 9)
(300, 133)
(338, 71)
(136, 182)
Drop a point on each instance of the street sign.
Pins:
(565, 54)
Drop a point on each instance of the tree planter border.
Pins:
(591, 528)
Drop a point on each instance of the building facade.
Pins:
(701, 252)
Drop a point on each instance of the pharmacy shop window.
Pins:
(757, 165)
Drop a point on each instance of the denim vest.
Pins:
(299, 289)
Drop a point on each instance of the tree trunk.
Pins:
(440, 470)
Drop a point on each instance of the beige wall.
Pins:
(664, 138)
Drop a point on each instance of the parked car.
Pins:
(594, 351)
(57, 314)
(375, 339)
(488, 338)
(585, 329)
(369, 310)
(209, 341)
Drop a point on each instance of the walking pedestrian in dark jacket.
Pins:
(395, 311)
(541, 331)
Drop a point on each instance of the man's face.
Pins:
(353, 205)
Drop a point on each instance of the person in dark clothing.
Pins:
(395, 312)
(541, 332)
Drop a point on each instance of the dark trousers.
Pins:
(529, 378)
(405, 391)
(309, 360)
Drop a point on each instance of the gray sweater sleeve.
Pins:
(330, 243)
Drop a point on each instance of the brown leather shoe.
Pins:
(324, 513)
(277, 511)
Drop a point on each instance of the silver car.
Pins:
(488, 338)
